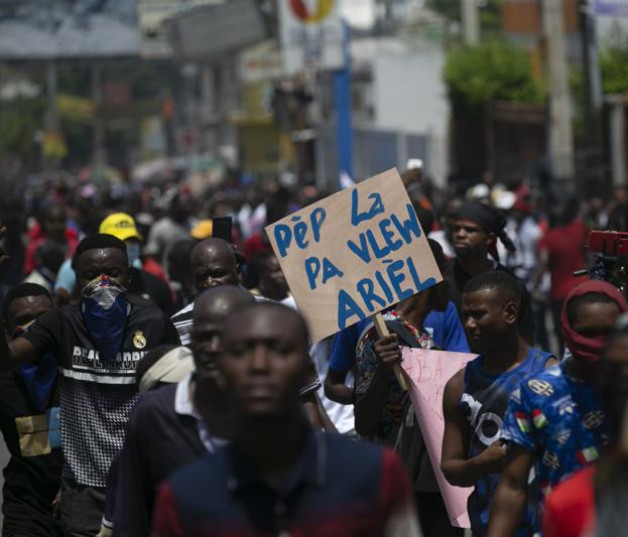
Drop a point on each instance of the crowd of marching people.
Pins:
(157, 377)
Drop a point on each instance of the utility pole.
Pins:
(51, 138)
(210, 105)
(98, 156)
(617, 131)
(560, 126)
(591, 74)
(52, 113)
(470, 22)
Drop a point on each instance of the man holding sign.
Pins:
(380, 402)
(476, 398)
(354, 254)
(351, 256)
(382, 408)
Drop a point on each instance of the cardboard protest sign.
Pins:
(354, 253)
(429, 372)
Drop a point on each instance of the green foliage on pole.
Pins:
(490, 71)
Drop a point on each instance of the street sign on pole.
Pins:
(311, 34)
(152, 15)
(212, 31)
(343, 105)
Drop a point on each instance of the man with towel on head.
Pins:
(476, 231)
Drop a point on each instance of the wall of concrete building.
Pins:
(409, 96)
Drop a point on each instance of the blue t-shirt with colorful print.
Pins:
(559, 419)
(484, 402)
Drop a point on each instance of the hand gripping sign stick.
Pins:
(382, 330)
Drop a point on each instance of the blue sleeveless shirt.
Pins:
(484, 401)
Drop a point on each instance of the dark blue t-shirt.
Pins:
(484, 402)
(444, 327)
(447, 330)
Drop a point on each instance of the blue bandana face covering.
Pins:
(105, 310)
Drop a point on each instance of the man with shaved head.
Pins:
(213, 264)
(176, 424)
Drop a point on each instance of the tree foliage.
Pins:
(489, 11)
(20, 120)
(614, 69)
(614, 60)
(490, 71)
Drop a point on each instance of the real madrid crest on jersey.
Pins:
(139, 341)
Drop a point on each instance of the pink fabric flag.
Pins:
(429, 372)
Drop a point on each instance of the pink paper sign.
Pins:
(429, 372)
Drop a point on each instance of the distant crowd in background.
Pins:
(550, 233)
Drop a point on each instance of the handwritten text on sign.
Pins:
(354, 254)
(429, 372)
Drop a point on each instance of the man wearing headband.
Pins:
(476, 231)
(571, 507)
(177, 424)
(97, 345)
(554, 421)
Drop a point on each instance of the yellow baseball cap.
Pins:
(121, 226)
(203, 230)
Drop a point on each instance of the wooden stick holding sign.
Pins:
(382, 330)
